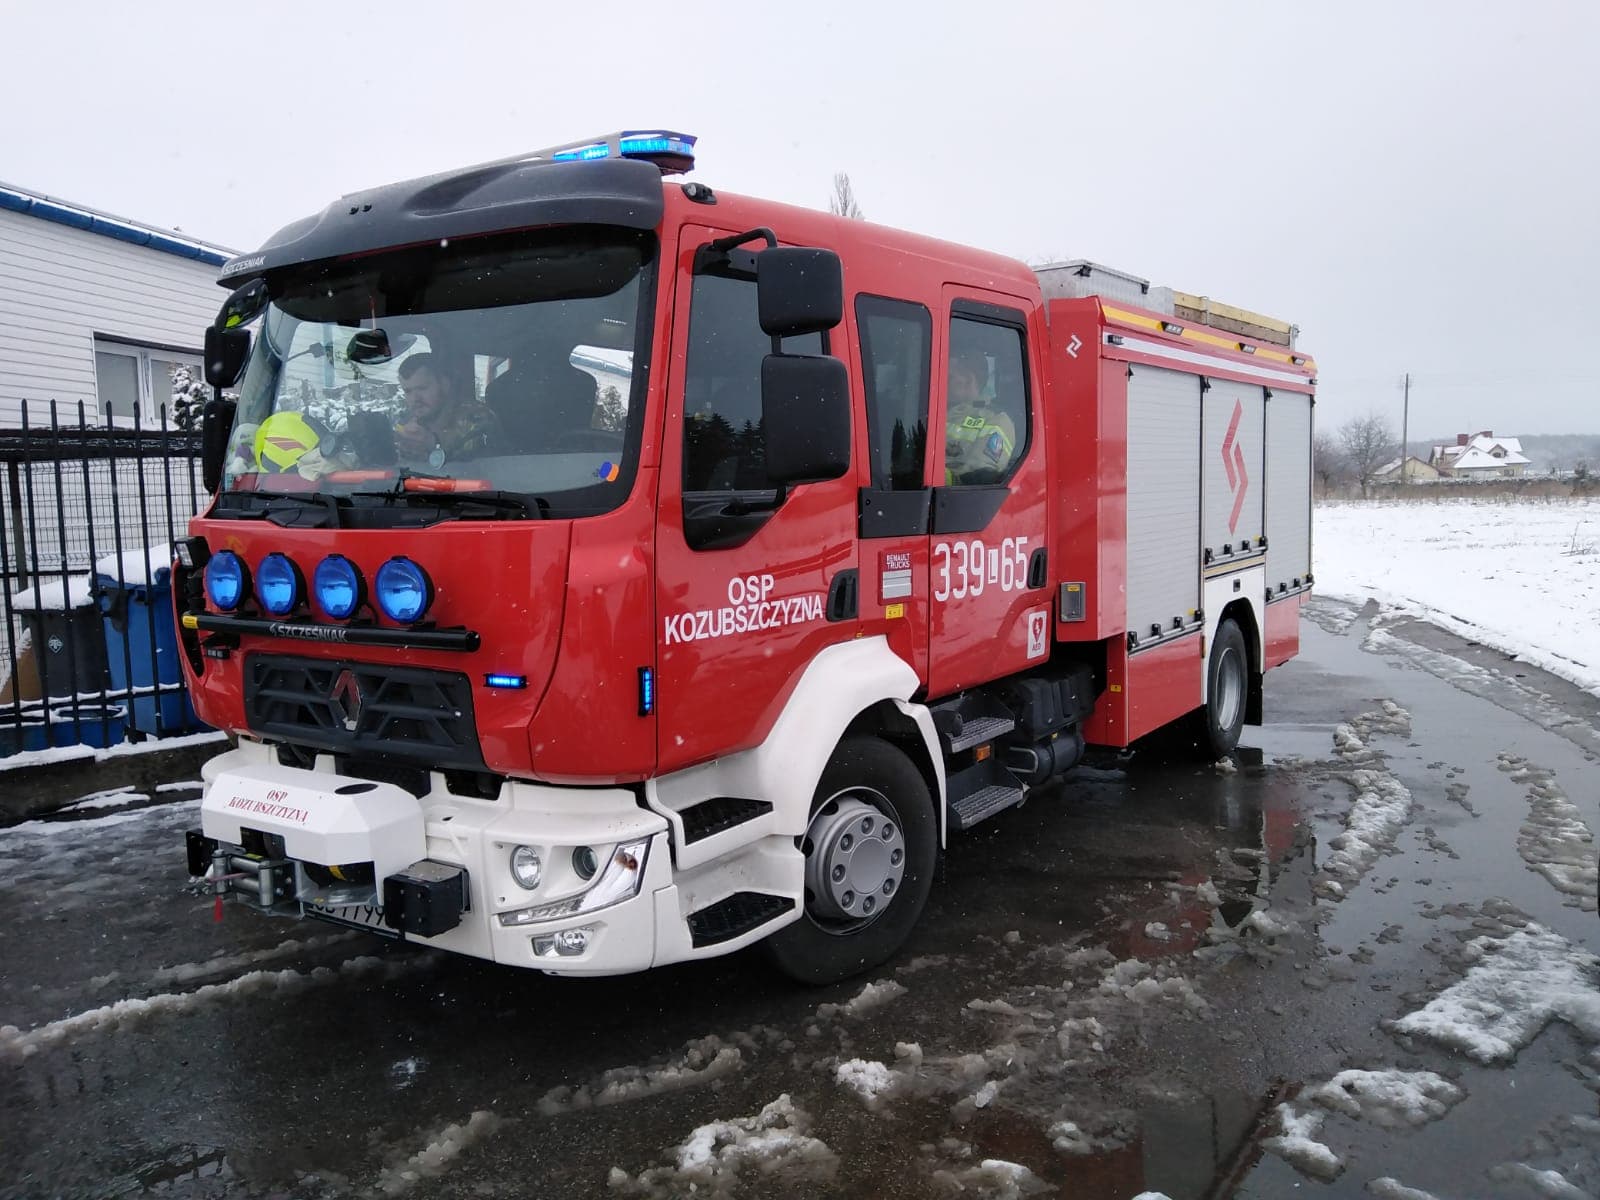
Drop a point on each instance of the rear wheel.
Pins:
(1227, 689)
(871, 846)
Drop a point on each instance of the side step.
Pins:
(978, 730)
(982, 804)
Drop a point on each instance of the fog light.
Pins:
(526, 867)
(585, 862)
(569, 943)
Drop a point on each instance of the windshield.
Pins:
(503, 365)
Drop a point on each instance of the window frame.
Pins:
(986, 313)
(144, 355)
(869, 390)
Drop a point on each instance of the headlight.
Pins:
(403, 590)
(278, 584)
(620, 880)
(226, 580)
(585, 863)
(338, 586)
(526, 868)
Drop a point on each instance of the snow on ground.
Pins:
(1297, 1144)
(873, 996)
(1382, 805)
(1390, 1188)
(442, 1149)
(1393, 1099)
(1515, 987)
(709, 1162)
(1555, 840)
(702, 1061)
(1565, 1160)
(24, 1043)
(1522, 576)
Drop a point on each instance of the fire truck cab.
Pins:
(604, 571)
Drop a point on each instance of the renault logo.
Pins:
(346, 699)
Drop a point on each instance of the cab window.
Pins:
(986, 394)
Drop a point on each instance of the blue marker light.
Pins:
(338, 587)
(227, 580)
(403, 589)
(514, 682)
(672, 152)
(647, 691)
(277, 584)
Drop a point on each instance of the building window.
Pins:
(131, 378)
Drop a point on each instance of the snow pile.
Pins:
(1392, 1099)
(135, 566)
(24, 1043)
(872, 1081)
(1138, 981)
(50, 596)
(1381, 808)
(709, 1162)
(1390, 1188)
(1515, 987)
(1554, 840)
(873, 996)
(701, 1062)
(441, 1150)
(1568, 1153)
(1297, 1144)
(1521, 577)
(223, 963)
(993, 1179)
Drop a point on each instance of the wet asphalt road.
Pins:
(1114, 987)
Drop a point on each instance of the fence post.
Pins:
(20, 548)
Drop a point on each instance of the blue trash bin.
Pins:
(142, 649)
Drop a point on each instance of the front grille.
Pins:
(361, 709)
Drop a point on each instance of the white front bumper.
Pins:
(332, 819)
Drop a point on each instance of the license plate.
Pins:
(354, 916)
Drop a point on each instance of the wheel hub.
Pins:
(856, 861)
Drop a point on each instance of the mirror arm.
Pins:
(719, 253)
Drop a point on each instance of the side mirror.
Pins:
(243, 305)
(799, 290)
(216, 423)
(226, 350)
(805, 415)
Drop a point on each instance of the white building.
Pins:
(1480, 456)
(96, 308)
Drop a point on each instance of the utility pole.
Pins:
(1405, 426)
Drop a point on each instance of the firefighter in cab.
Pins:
(979, 438)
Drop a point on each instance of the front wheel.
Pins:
(1227, 687)
(870, 847)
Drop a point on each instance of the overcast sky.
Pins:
(1413, 184)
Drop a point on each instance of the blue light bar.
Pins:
(672, 152)
(514, 682)
(647, 691)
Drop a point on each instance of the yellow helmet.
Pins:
(282, 439)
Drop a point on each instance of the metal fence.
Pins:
(88, 513)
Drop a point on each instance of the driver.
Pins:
(440, 425)
(979, 439)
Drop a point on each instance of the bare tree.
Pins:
(1327, 460)
(1368, 443)
(843, 203)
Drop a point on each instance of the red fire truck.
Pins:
(604, 571)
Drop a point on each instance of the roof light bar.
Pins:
(672, 152)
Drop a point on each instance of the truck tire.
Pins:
(1227, 690)
(871, 848)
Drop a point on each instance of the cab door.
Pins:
(989, 599)
(749, 586)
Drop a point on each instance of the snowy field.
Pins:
(1521, 576)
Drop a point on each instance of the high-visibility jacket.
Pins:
(977, 441)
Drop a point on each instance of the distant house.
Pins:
(1415, 469)
(98, 309)
(1480, 456)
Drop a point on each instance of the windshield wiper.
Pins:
(462, 504)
